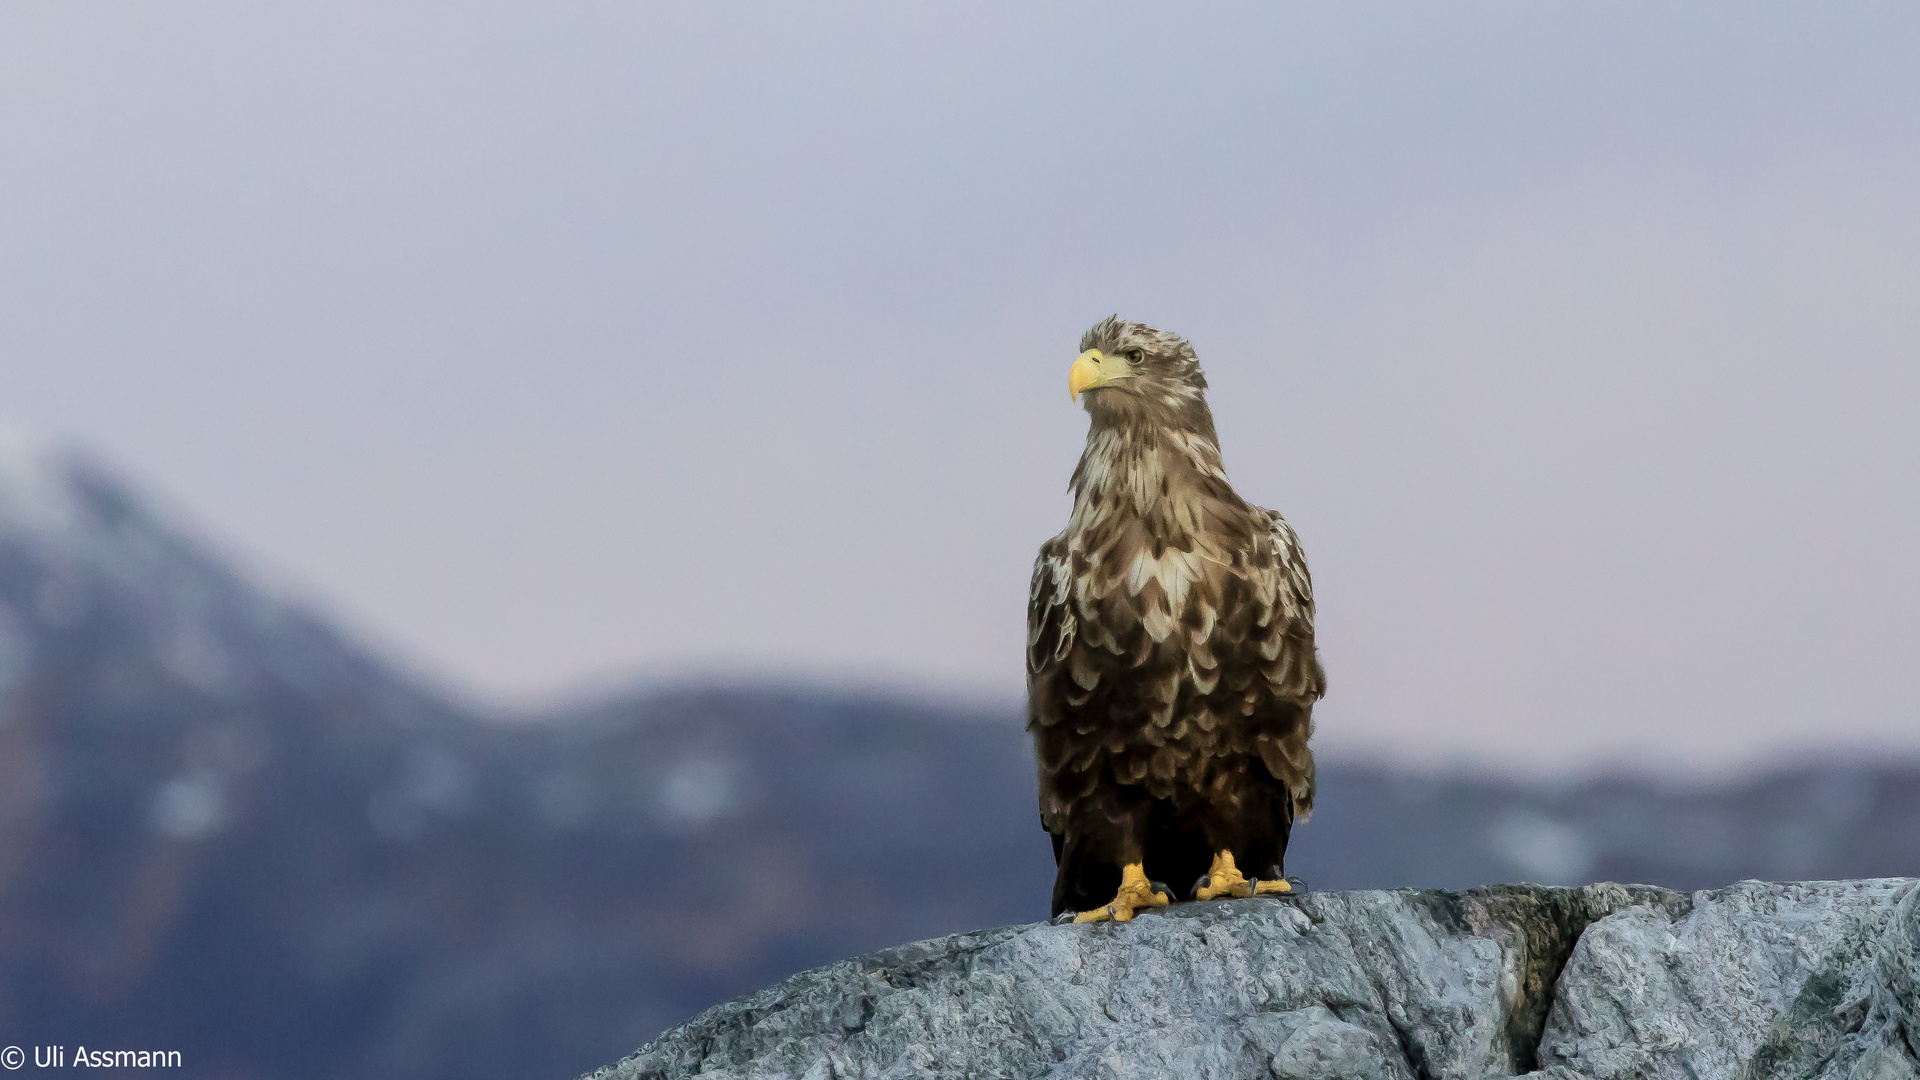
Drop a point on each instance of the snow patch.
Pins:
(190, 807)
(1543, 850)
(36, 495)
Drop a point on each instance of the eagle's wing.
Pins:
(1050, 621)
(1290, 591)
(1282, 637)
(1051, 630)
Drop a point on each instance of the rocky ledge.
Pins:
(1814, 979)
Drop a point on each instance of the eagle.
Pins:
(1171, 669)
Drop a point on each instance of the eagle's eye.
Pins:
(1133, 355)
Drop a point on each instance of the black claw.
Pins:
(1299, 885)
(1160, 887)
(1201, 882)
(1064, 918)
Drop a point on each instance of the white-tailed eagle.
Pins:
(1171, 671)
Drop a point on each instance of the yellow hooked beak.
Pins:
(1086, 374)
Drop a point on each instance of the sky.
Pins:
(551, 347)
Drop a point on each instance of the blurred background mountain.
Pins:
(226, 829)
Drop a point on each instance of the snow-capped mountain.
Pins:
(227, 830)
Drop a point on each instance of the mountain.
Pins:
(227, 830)
(224, 829)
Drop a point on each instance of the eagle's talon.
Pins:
(1105, 914)
(1135, 893)
(1225, 880)
(1065, 918)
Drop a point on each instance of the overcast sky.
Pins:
(550, 345)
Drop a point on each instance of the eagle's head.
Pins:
(1146, 396)
(1129, 369)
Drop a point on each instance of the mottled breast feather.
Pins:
(1165, 656)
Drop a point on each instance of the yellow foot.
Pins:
(1224, 879)
(1136, 892)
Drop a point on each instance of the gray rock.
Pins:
(1755, 980)
(1814, 979)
